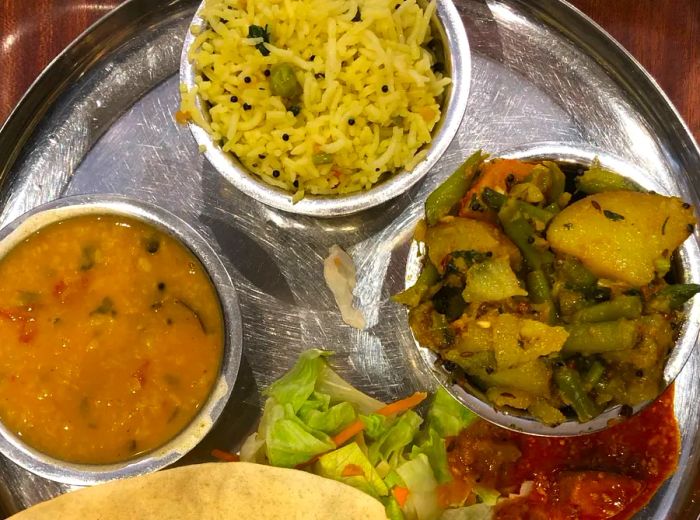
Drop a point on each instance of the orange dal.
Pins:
(111, 338)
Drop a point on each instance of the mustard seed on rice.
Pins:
(370, 70)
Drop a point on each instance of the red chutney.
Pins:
(605, 475)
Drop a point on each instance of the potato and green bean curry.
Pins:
(547, 293)
(111, 338)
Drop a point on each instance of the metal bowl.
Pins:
(449, 27)
(84, 474)
(687, 270)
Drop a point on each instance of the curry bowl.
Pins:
(685, 268)
(450, 47)
(127, 335)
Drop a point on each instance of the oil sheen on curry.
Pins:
(111, 338)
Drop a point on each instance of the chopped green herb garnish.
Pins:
(255, 31)
(614, 216)
(87, 258)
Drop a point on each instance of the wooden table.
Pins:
(663, 36)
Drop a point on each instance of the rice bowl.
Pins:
(368, 110)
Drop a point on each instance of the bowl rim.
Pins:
(689, 256)
(107, 204)
(454, 34)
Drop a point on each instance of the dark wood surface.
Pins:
(663, 36)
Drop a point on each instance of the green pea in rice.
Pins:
(370, 96)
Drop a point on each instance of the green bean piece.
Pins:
(605, 336)
(538, 287)
(322, 158)
(570, 301)
(556, 188)
(539, 292)
(412, 296)
(430, 328)
(571, 388)
(533, 211)
(521, 232)
(677, 294)
(493, 199)
(552, 208)
(576, 275)
(597, 180)
(446, 196)
(594, 374)
(620, 307)
(540, 177)
(283, 81)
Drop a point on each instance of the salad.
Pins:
(447, 464)
(316, 421)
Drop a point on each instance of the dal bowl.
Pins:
(121, 339)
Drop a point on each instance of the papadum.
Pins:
(235, 490)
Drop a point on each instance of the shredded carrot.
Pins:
(226, 456)
(352, 470)
(349, 432)
(391, 409)
(400, 494)
(403, 404)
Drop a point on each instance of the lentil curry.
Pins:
(111, 338)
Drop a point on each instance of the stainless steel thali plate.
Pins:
(100, 119)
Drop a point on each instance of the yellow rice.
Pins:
(370, 95)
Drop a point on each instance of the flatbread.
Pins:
(214, 491)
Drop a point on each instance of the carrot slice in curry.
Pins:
(493, 175)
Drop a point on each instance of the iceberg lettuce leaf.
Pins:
(298, 384)
(393, 509)
(289, 442)
(422, 502)
(389, 446)
(473, 512)
(341, 391)
(488, 496)
(447, 416)
(435, 449)
(330, 421)
(375, 425)
(316, 401)
(335, 464)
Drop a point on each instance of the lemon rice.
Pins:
(369, 89)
